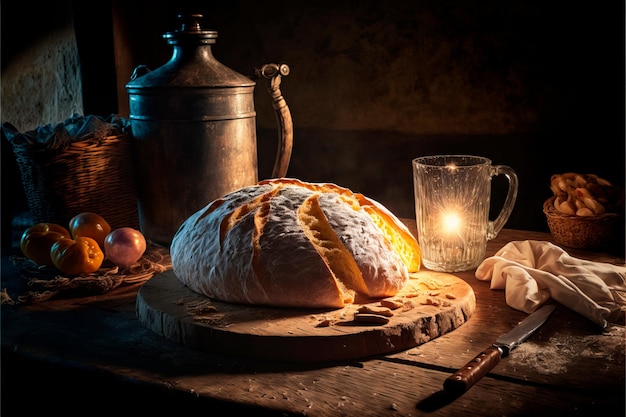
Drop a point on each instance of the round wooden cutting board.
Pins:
(432, 304)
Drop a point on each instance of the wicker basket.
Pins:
(583, 232)
(94, 175)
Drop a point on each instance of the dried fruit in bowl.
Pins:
(585, 195)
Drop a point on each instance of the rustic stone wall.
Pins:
(41, 78)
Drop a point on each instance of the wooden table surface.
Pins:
(73, 354)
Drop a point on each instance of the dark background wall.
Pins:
(537, 85)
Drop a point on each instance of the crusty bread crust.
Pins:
(288, 243)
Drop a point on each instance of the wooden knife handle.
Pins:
(471, 373)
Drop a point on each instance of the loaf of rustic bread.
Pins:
(290, 243)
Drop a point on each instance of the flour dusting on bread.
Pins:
(289, 243)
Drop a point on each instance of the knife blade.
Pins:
(474, 370)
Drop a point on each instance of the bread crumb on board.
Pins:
(201, 307)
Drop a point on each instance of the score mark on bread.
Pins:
(289, 243)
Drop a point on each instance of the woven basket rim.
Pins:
(551, 211)
(88, 143)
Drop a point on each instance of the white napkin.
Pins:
(532, 271)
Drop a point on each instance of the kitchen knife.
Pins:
(484, 362)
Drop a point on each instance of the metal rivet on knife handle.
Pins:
(471, 373)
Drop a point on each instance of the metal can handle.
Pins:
(274, 73)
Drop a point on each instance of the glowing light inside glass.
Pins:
(451, 222)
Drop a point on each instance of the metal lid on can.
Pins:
(192, 64)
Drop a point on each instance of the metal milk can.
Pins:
(194, 130)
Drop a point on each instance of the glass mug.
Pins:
(452, 200)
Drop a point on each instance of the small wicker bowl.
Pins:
(583, 232)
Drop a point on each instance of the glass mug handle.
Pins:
(494, 227)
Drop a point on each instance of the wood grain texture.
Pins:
(568, 367)
(433, 304)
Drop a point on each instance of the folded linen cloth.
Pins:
(531, 271)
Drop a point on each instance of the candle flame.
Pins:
(451, 222)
